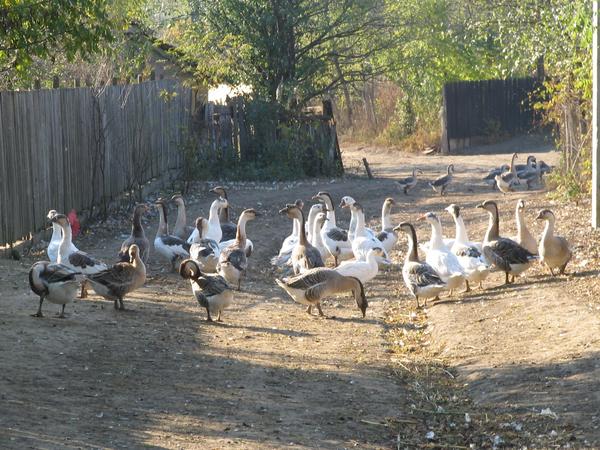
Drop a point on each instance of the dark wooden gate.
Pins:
(478, 111)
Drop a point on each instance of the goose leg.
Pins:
(467, 287)
(512, 280)
(320, 310)
(506, 280)
(417, 299)
(239, 284)
(121, 305)
(116, 304)
(84, 292)
(39, 311)
(551, 271)
(208, 318)
(219, 316)
(62, 312)
(309, 309)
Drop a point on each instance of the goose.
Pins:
(440, 257)
(312, 215)
(78, 261)
(335, 239)
(170, 247)
(388, 237)
(137, 237)
(228, 228)
(54, 243)
(304, 255)
(181, 230)
(363, 270)
(362, 242)
(233, 261)
(56, 283)
(211, 291)
(503, 253)
(531, 176)
(347, 202)
(214, 226)
(205, 252)
(419, 277)
(490, 178)
(317, 239)
(506, 180)
(288, 244)
(310, 287)
(409, 182)
(119, 280)
(554, 250)
(524, 238)
(531, 164)
(468, 253)
(440, 184)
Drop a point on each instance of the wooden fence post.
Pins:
(55, 82)
(595, 120)
(37, 84)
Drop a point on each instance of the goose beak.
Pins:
(479, 206)
(316, 197)
(421, 218)
(283, 211)
(396, 228)
(342, 204)
(539, 216)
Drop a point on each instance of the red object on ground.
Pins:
(75, 225)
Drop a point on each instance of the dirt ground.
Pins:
(475, 370)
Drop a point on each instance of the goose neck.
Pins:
(330, 211)
(240, 235)
(412, 255)
(437, 241)
(299, 220)
(360, 223)
(548, 229)
(136, 225)
(56, 233)
(386, 222)
(493, 231)
(65, 242)
(163, 228)
(213, 216)
(462, 236)
(316, 235)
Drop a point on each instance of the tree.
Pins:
(289, 51)
(34, 28)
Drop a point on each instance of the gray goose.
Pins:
(304, 256)
(166, 245)
(233, 261)
(419, 277)
(205, 252)
(440, 184)
(409, 182)
(490, 178)
(502, 253)
(121, 279)
(182, 230)
(310, 287)
(335, 239)
(137, 237)
(228, 228)
(211, 291)
(506, 180)
(56, 283)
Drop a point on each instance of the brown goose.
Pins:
(440, 184)
(503, 253)
(137, 237)
(233, 261)
(304, 256)
(121, 279)
(554, 250)
(228, 228)
(310, 287)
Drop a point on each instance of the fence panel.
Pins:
(78, 149)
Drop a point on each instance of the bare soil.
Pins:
(270, 376)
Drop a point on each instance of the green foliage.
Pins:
(289, 51)
(30, 28)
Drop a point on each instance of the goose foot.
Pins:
(37, 314)
(61, 315)
(320, 310)
(467, 287)
(84, 292)
(309, 310)
(39, 311)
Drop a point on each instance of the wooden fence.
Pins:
(80, 148)
(485, 109)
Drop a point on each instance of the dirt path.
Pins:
(159, 376)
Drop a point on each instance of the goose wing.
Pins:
(504, 252)
(467, 250)
(58, 273)
(174, 241)
(441, 181)
(422, 275)
(311, 278)
(212, 285)
(229, 231)
(337, 234)
(83, 260)
(236, 257)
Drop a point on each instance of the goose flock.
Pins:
(317, 259)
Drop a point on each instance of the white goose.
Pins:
(440, 258)
(468, 253)
(312, 215)
(419, 277)
(362, 242)
(205, 252)
(335, 239)
(317, 239)
(363, 270)
(56, 238)
(288, 244)
(78, 261)
(214, 224)
(347, 202)
(304, 256)
(388, 236)
(170, 247)
(233, 261)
